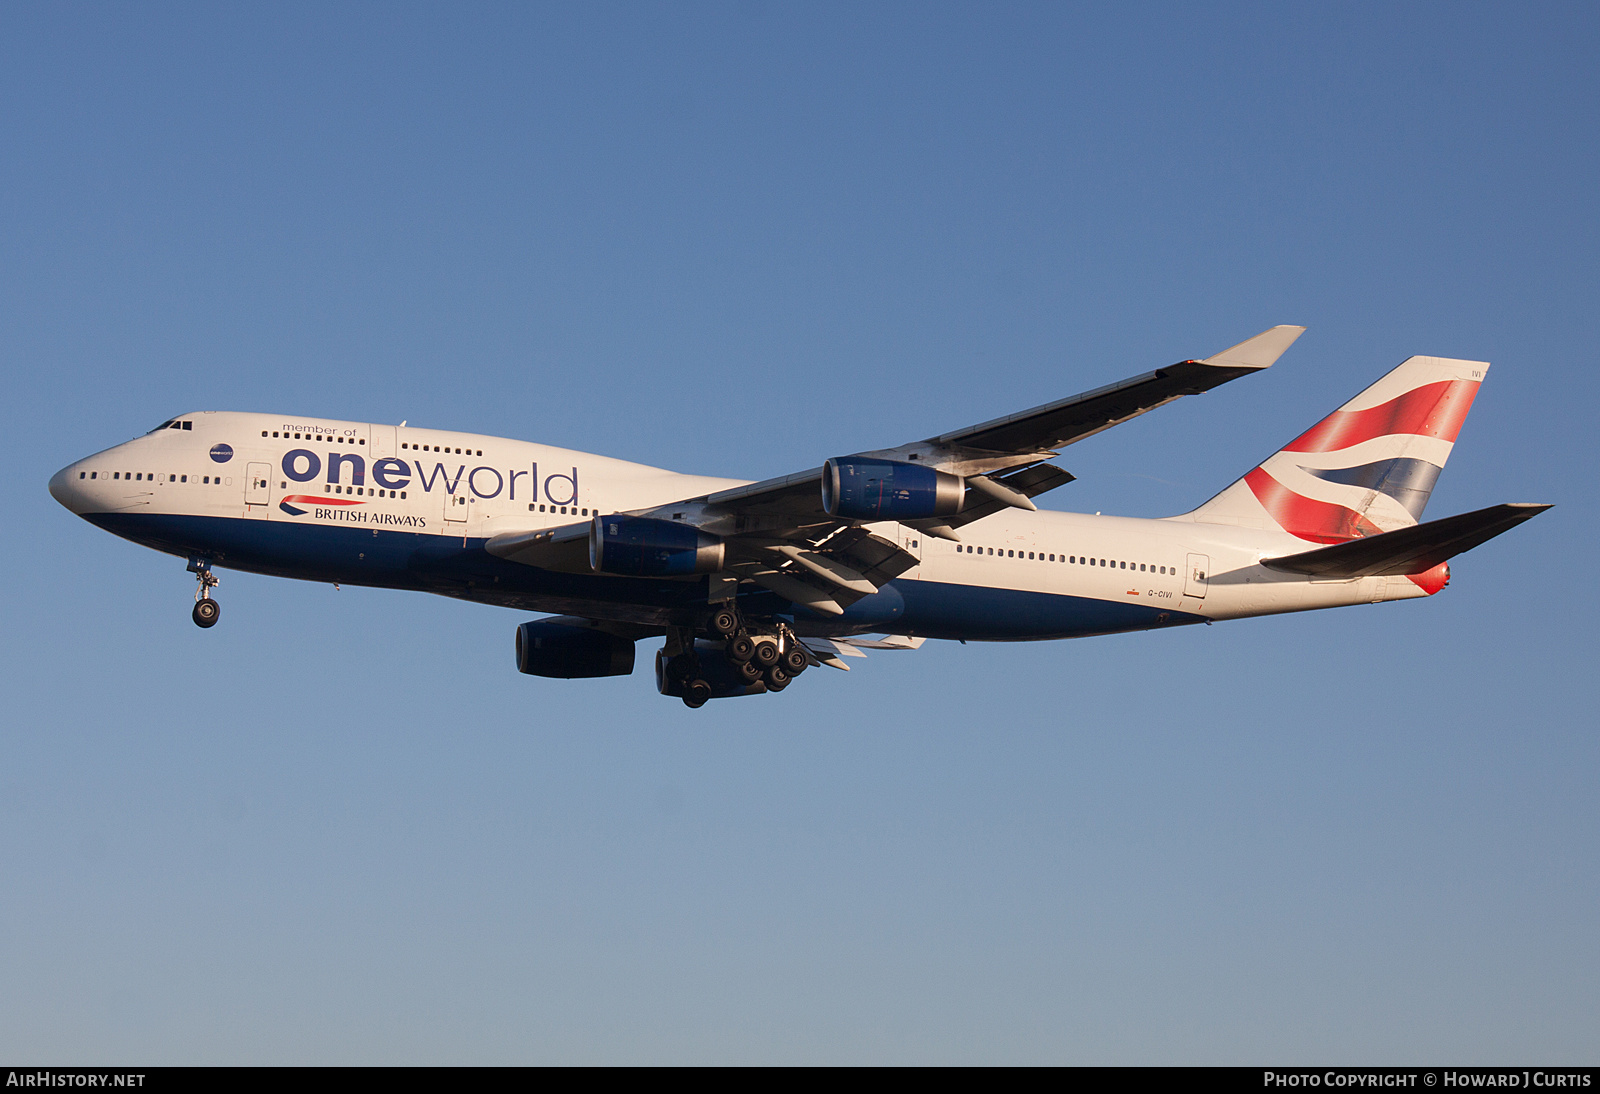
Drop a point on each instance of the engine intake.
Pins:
(571, 653)
(867, 489)
(646, 547)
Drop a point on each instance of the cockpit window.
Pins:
(168, 424)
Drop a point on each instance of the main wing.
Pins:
(1000, 450)
(780, 536)
(778, 533)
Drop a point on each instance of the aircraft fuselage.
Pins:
(405, 508)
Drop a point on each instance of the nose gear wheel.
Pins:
(206, 611)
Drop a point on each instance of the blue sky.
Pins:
(736, 239)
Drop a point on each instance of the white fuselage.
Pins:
(411, 508)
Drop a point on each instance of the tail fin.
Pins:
(1366, 468)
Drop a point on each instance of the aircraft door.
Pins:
(1194, 581)
(456, 507)
(911, 543)
(383, 445)
(257, 488)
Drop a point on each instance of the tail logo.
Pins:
(1432, 410)
(1317, 521)
(1408, 482)
(1367, 468)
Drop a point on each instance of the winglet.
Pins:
(1258, 352)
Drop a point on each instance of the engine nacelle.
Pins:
(570, 653)
(866, 489)
(645, 547)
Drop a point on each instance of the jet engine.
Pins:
(867, 489)
(645, 547)
(545, 648)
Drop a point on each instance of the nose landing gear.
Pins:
(206, 611)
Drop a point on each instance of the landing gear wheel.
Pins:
(724, 622)
(777, 678)
(206, 610)
(795, 661)
(766, 654)
(696, 693)
(748, 671)
(741, 648)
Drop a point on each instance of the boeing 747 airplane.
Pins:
(748, 584)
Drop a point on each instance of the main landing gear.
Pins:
(747, 662)
(206, 611)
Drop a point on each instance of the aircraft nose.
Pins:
(64, 488)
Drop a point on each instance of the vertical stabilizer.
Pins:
(1364, 469)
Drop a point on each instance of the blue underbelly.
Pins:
(441, 564)
(978, 613)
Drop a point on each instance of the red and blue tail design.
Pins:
(1366, 468)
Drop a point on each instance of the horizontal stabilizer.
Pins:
(1411, 550)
